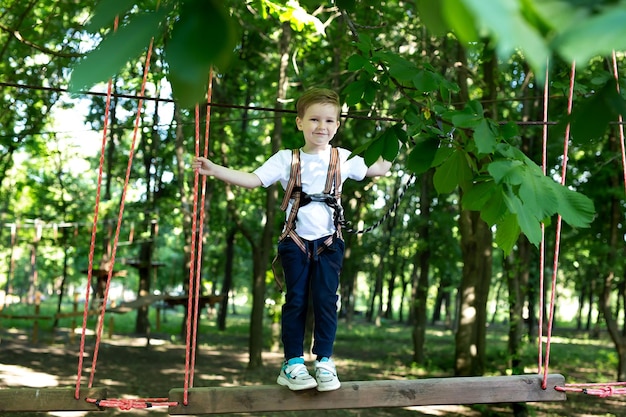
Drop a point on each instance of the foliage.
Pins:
(510, 190)
(570, 29)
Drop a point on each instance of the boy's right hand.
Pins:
(204, 166)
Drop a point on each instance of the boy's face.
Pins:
(318, 125)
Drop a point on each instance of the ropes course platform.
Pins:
(370, 394)
(49, 399)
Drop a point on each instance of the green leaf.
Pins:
(364, 44)
(431, 13)
(576, 209)
(354, 92)
(189, 55)
(444, 151)
(392, 142)
(470, 117)
(116, 50)
(507, 171)
(538, 195)
(423, 154)
(461, 20)
(454, 172)
(475, 197)
(529, 224)
(401, 70)
(507, 233)
(495, 210)
(485, 138)
(597, 35)
(558, 14)
(426, 81)
(370, 91)
(346, 4)
(601, 108)
(505, 21)
(466, 120)
(105, 12)
(358, 62)
(509, 130)
(376, 147)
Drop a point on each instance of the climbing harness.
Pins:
(331, 196)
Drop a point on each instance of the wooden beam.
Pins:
(369, 394)
(49, 399)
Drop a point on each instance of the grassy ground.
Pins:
(128, 367)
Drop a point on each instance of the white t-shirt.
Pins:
(315, 220)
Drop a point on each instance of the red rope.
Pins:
(559, 222)
(201, 221)
(599, 390)
(120, 216)
(615, 388)
(542, 247)
(194, 228)
(94, 229)
(195, 263)
(129, 404)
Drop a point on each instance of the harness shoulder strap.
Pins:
(333, 183)
(333, 177)
(294, 178)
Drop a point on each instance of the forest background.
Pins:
(452, 91)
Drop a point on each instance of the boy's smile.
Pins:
(318, 125)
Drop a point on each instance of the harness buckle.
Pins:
(322, 198)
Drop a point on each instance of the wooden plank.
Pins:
(49, 399)
(369, 394)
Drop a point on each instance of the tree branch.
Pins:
(17, 35)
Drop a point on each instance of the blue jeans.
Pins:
(318, 275)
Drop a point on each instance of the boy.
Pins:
(311, 248)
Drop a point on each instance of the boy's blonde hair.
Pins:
(317, 96)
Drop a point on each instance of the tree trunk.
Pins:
(516, 274)
(374, 310)
(228, 279)
(476, 250)
(422, 268)
(145, 269)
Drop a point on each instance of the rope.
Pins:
(542, 247)
(195, 281)
(346, 226)
(129, 404)
(604, 390)
(598, 390)
(120, 215)
(559, 223)
(601, 390)
(117, 233)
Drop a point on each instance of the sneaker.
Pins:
(294, 375)
(326, 375)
